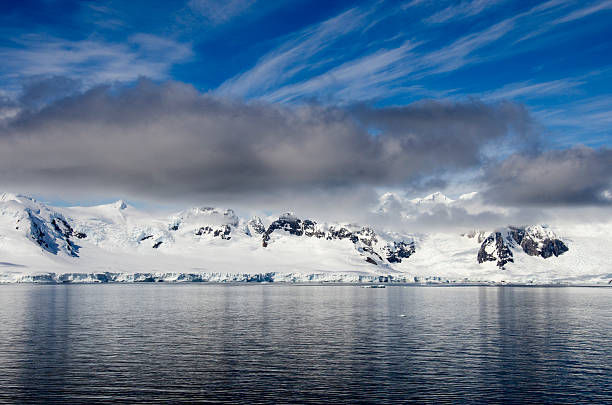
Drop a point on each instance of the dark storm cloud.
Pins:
(580, 175)
(452, 133)
(168, 141)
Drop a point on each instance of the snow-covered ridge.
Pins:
(434, 198)
(533, 240)
(116, 242)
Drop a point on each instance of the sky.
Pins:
(272, 104)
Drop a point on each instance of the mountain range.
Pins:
(117, 242)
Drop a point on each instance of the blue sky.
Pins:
(553, 56)
(452, 95)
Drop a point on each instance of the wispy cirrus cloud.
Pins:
(217, 12)
(585, 120)
(585, 11)
(363, 78)
(299, 69)
(530, 89)
(91, 61)
(293, 56)
(553, 7)
(462, 10)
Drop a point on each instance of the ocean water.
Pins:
(163, 343)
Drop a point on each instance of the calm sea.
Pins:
(165, 343)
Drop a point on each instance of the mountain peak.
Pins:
(435, 198)
(120, 204)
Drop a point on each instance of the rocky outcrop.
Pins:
(222, 231)
(365, 239)
(256, 226)
(398, 251)
(534, 241)
(495, 248)
(538, 241)
(53, 235)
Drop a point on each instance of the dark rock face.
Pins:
(553, 248)
(222, 231)
(493, 249)
(310, 229)
(364, 239)
(370, 260)
(157, 244)
(256, 225)
(398, 251)
(287, 223)
(47, 237)
(535, 241)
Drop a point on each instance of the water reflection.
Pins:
(275, 343)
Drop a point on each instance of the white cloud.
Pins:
(530, 89)
(220, 11)
(292, 57)
(585, 11)
(91, 61)
(462, 10)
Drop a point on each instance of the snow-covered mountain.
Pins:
(116, 242)
(434, 198)
(533, 240)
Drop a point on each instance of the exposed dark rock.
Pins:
(63, 228)
(553, 247)
(341, 233)
(204, 230)
(398, 251)
(157, 244)
(222, 231)
(146, 237)
(287, 223)
(535, 241)
(364, 239)
(47, 237)
(310, 229)
(370, 260)
(498, 250)
(256, 225)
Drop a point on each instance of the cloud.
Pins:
(585, 11)
(292, 56)
(170, 142)
(580, 175)
(332, 61)
(220, 11)
(530, 89)
(365, 78)
(39, 91)
(462, 10)
(379, 73)
(91, 61)
(555, 6)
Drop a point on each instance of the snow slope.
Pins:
(116, 242)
